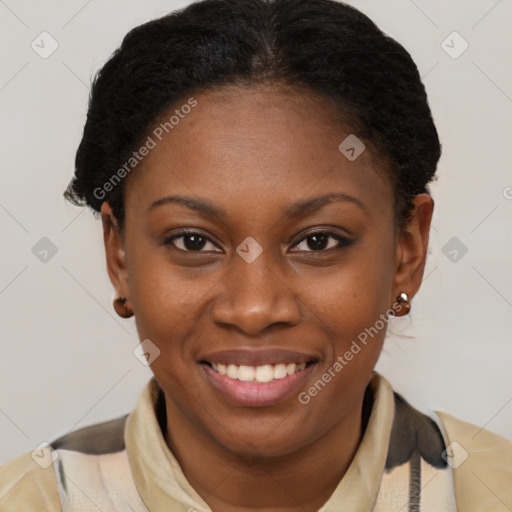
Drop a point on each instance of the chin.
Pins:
(260, 438)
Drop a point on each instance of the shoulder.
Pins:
(474, 438)
(482, 465)
(478, 461)
(29, 481)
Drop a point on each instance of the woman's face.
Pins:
(250, 174)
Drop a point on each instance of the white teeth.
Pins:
(246, 373)
(262, 374)
(280, 371)
(232, 371)
(290, 369)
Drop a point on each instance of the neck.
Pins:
(302, 480)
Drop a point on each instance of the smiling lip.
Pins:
(252, 393)
(258, 357)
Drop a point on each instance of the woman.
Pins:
(261, 172)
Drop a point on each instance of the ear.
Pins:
(411, 248)
(114, 251)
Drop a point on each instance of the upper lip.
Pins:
(257, 357)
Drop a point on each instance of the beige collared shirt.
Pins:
(404, 463)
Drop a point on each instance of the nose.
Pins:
(252, 297)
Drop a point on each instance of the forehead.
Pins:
(256, 147)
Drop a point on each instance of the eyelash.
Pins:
(342, 241)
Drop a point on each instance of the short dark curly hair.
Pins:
(323, 46)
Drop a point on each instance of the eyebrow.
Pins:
(291, 211)
(316, 203)
(202, 206)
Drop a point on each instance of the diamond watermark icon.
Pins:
(249, 249)
(44, 455)
(44, 250)
(351, 147)
(44, 45)
(455, 455)
(146, 352)
(454, 45)
(454, 249)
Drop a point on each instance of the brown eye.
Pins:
(194, 242)
(191, 242)
(320, 241)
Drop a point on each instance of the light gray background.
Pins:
(66, 358)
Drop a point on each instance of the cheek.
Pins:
(351, 296)
(167, 307)
(168, 311)
(167, 300)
